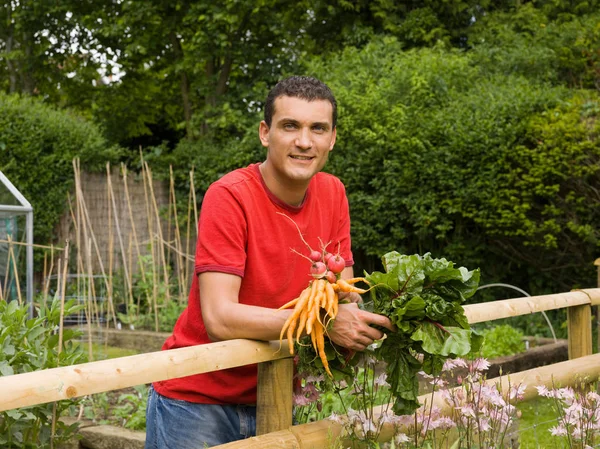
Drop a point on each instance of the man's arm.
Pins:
(225, 318)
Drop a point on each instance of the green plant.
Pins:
(167, 317)
(501, 340)
(131, 409)
(31, 344)
(125, 410)
(37, 147)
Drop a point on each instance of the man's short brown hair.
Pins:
(304, 87)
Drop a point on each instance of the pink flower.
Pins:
(336, 418)
(381, 380)
(300, 400)
(558, 430)
(517, 392)
(401, 438)
(480, 365)
(450, 364)
(543, 391)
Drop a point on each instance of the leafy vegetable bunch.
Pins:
(423, 298)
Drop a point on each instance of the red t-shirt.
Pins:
(241, 233)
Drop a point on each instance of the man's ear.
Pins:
(263, 133)
(333, 138)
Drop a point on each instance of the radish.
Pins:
(327, 256)
(331, 277)
(315, 256)
(336, 264)
(318, 269)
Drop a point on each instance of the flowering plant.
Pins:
(578, 412)
(474, 414)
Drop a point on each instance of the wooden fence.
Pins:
(274, 404)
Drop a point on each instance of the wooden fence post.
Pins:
(274, 395)
(579, 322)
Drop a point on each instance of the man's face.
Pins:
(299, 139)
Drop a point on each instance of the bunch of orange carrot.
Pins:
(314, 309)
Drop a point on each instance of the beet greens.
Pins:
(423, 297)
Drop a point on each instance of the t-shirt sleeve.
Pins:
(222, 233)
(344, 228)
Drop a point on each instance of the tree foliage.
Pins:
(37, 146)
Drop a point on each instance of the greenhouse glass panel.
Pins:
(16, 259)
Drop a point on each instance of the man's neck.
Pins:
(290, 194)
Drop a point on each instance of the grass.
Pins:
(537, 417)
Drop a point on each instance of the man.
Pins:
(245, 267)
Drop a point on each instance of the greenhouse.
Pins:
(16, 244)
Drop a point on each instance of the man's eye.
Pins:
(289, 126)
(319, 128)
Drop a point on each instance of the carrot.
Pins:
(293, 302)
(290, 336)
(330, 296)
(347, 288)
(302, 323)
(321, 350)
(315, 307)
(353, 281)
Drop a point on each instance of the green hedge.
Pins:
(37, 147)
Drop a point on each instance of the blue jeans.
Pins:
(177, 424)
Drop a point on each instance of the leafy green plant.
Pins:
(167, 317)
(422, 296)
(125, 410)
(501, 340)
(131, 409)
(31, 344)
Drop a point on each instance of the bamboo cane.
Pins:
(63, 286)
(181, 285)
(119, 236)
(140, 263)
(47, 277)
(160, 234)
(11, 256)
(188, 230)
(152, 249)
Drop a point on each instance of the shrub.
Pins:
(37, 146)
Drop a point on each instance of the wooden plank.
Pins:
(55, 384)
(274, 396)
(324, 433)
(579, 324)
(478, 313)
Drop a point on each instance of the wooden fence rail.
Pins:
(274, 394)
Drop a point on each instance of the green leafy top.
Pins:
(422, 296)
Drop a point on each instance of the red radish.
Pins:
(336, 264)
(315, 256)
(327, 256)
(318, 269)
(331, 277)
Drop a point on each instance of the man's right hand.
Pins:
(351, 328)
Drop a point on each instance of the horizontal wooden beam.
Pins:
(39, 387)
(323, 433)
(55, 384)
(495, 310)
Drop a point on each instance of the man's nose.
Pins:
(304, 139)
